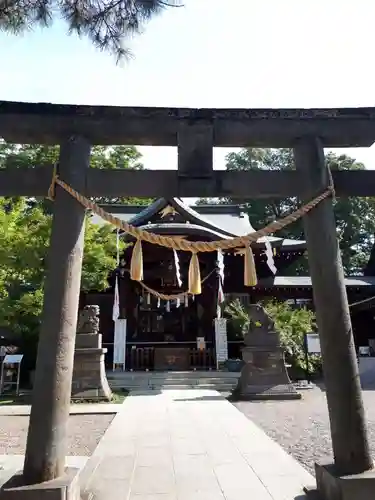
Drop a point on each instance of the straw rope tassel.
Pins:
(195, 285)
(250, 274)
(136, 264)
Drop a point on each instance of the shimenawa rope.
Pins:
(250, 278)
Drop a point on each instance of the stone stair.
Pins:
(137, 381)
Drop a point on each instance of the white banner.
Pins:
(119, 345)
(177, 268)
(221, 340)
(269, 255)
(116, 302)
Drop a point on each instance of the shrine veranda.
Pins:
(195, 132)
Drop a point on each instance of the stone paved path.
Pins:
(189, 445)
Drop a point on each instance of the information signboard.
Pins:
(313, 343)
(10, 372)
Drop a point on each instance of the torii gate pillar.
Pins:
(345, 406)
(46, 440)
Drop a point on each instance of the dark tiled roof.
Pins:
(305, 282)
(225, 220)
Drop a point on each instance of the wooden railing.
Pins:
(142, 358)
(202, 359)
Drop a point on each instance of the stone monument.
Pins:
(264, 375)
(89, 377)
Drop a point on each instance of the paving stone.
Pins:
(153, 456)
(200, 495)
(108, 489)
(155, 496)
(119, 467)
(155, 479)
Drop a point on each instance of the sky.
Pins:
(209, 53)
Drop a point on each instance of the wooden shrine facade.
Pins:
(156, 326)
(195, 132)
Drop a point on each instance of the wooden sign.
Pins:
(201, 343)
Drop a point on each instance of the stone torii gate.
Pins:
(195, 132)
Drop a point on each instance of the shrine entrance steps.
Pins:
(137, 381)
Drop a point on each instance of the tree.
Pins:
(106, 23)
(30, 155)
(293, 323)
(24, 237)
(355, 217)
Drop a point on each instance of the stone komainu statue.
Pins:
(259, 319)
(88, 320)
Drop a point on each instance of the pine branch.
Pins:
(107, 23)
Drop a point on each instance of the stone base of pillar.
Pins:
(89, 377)
(65, 487)
(331, 486)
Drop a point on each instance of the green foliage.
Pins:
(98, 257)
(355, 217)
(239, 319)
(24, 240)
(291, 322)
(106, 24)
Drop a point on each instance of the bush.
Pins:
(292, 323)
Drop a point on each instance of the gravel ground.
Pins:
(84, 433)
(302, 427)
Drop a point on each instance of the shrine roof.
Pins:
(171, 215)
(305, 282)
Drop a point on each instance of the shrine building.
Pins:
(165, 334)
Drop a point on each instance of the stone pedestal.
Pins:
(264, 375)
(333, 486)
(65, 487)
(89, 377)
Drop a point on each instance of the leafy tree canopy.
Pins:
(24, 240)
(355, 217)
(107, 23)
